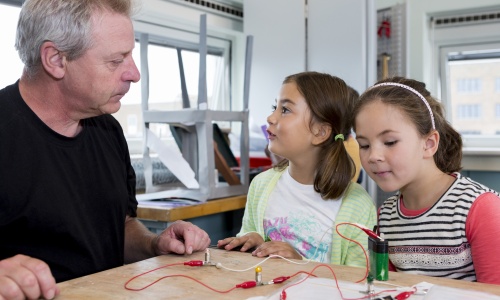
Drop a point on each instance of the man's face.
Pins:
(96, 81)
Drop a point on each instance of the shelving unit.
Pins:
(197, 142)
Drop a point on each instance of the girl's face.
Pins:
(289, 132)
(390, 148)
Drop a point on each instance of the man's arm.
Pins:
(180, 237)
(138, 241)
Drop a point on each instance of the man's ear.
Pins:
(431, 144)
(322, 132)
(53, 60)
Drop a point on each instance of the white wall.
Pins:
(337, 43)
(342, 42)
(278, 49)
(338, 40)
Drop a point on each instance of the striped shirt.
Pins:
(433, 243)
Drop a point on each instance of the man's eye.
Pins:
(116, 62)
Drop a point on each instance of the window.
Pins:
(466, 59)
(472, 89)
(469, 111)
(165, 89)
(132, 125)
(469, 85)
(9, 59)
(497, 111)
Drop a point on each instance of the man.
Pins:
(67, 188)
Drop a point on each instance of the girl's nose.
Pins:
(271, 119)
(375, 155)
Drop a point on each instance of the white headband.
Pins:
(413, 91)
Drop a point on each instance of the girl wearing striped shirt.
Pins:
(439, 223)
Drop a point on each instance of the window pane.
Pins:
(9, 59)
(165, 90)
(474, 88)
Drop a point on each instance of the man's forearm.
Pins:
(138, 241)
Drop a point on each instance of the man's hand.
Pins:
(24, 277)
(248, 241)
(181, 238)
(276, 248)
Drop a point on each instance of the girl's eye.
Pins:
(284, 110)
(273, 107)
(363, 146)
(392, 143)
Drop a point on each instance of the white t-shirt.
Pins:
(297, 214)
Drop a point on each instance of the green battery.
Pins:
(379, 258)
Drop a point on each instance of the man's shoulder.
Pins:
(7, 90)
(8, 107)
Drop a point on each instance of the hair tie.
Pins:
(413, 91)
(339, 136)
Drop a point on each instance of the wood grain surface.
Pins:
(110, 284)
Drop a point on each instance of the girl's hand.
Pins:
(248, 241)
(276, 248)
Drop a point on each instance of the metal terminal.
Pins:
(370, 287)
(207, 261)
(207, 255)
(258, 275)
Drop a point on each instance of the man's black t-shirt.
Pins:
(63, 200)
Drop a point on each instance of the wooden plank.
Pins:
(223, 168)
(164, 214)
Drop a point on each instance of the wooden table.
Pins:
(171, 214)
(220, 218)
(110, 284)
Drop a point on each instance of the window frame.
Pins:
(462, 38)
(178, 38)
(477, 144)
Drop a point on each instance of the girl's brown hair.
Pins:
(449, 154)
(328, 100)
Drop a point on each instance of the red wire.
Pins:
(364, 251)
(309, 274)
(174, 275)
(336, 284)
(283, 295)
(155, 269)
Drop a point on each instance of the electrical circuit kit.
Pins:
(376, 270)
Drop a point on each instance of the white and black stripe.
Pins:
(433, 243)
